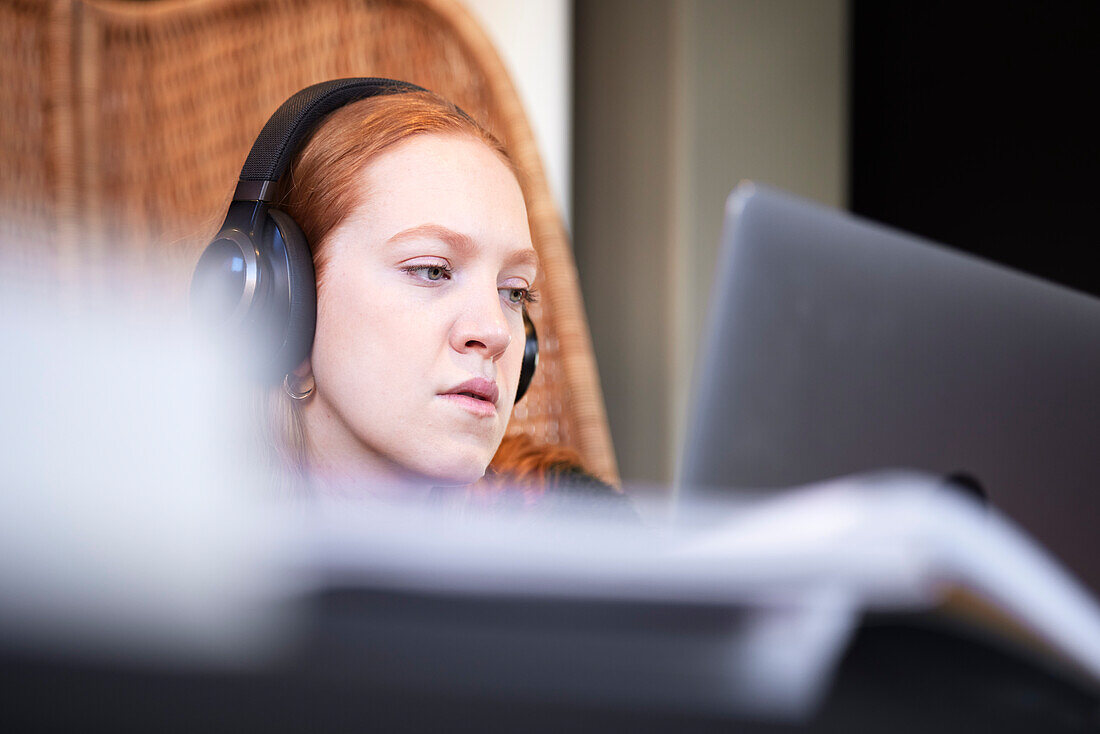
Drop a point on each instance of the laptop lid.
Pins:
(835, 346)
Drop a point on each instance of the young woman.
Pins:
(424, 263)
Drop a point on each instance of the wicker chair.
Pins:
(123, 126)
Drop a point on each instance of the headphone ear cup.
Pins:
(530, 356)
(283, 233)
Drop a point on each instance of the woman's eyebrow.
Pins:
(462, 243)
(526, 256)
(457, 240)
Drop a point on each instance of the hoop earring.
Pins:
(298, 395)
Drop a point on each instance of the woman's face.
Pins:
(420, 334)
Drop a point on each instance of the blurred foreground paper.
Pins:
(133, 532)
(126, 523)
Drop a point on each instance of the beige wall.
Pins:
(675, 103)
(533, 38)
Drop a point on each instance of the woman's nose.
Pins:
(482, 327)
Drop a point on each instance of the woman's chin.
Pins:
(456, 478)
(455, 470)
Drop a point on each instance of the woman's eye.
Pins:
(433, 273)
(518, 296)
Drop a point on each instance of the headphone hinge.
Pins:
(253, 191)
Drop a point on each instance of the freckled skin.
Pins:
(403, 319)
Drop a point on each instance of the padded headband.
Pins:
(295, 120)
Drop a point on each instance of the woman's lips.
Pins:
(477, 406)
(478, 396)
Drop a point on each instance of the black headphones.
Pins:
(255, 283)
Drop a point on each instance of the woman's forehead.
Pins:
(441, 159)
(432, 183)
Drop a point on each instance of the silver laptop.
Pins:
(836, 346)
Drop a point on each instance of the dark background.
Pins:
(976, 127)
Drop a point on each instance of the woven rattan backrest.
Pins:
(38, 192)
(136, 119)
